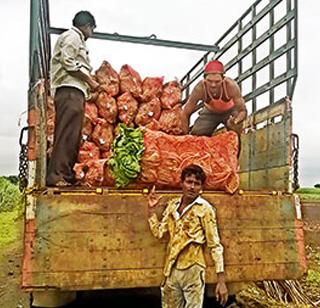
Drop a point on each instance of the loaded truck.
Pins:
(80, 238)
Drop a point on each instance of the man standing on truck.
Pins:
(222, 100)
(191, 222)
(71, 84)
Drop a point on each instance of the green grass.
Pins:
(9, 231)
(309, 194)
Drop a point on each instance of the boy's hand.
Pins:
(153, 200)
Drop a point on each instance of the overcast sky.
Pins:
(201, 21)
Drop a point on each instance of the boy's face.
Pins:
(191, 187)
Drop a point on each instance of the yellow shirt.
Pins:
(70, 54)
(188, 232)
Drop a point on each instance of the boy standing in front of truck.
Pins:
(190, 222)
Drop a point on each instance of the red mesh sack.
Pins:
(151, 88)
(95, 172)
(171, 95)
(90, 118)
(103, 135)
(93, 97)
(153, 125)
(108, 177)
(127, 108)
(108, 78)
(87, 129)
(88, 150)
(148, 111)
(130, 81)
(170, 121)
(80, 170)
(91, 111)
(107, 107)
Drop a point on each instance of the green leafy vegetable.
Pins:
(127, 150)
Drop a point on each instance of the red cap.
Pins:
(213, 67)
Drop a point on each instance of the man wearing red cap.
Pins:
(222, 100)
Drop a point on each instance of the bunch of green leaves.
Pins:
(10, 196)
(127, 149)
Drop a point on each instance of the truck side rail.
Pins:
(252, 49)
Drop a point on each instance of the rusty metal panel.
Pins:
(80, 241)
(273, 178)
(265, 160)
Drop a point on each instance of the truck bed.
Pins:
(100, 239)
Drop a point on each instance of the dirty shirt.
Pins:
(188, 232)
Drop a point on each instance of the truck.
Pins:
(78, 239)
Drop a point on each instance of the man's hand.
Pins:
(153, 200)
(94, 85)
(221, 290)
(235, 124)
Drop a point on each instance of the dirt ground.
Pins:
(11, 295)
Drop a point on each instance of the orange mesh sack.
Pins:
(88, 151)
(107, 107)
(148, 112)
(130, 81)
(165, 156)
(151, 88)
(103, 135)
(171, 95)
(108, 78)
(127, 108)
(170, 120)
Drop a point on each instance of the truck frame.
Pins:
(98, 238)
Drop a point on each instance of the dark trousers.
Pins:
(207, 122)
(69, 105)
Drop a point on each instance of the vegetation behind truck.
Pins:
(86, 239)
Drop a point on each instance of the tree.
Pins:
(317, 185)
(10, 196)
(14, 179)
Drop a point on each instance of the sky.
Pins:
(201, 21)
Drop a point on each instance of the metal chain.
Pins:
(23, 162)
(295, 160)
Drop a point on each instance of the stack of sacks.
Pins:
(155, 107)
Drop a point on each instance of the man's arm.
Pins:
(80, 74)
(69, 49)
(190, 106)
(240, 106)
(209, 223)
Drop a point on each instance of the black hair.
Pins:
(195, 170)
(83, 18)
